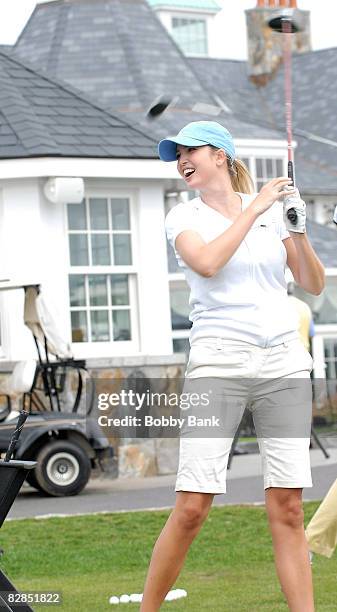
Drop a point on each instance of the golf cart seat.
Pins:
(21, 379)
(55, 381)
(59, 378)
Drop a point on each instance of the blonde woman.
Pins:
(233, 245)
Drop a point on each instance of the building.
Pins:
(75, 92)
(128, 54)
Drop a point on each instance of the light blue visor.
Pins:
(197, 134)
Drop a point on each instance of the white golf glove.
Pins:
(295, 202)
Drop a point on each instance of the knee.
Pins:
(289, 511)
(191, 515)
(293, 514)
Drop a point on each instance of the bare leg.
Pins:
(285, 514)
(171, 548)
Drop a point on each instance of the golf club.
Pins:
(285, 24)
(159, 106)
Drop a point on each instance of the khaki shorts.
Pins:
(230, 376)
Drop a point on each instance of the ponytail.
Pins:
(239, 175)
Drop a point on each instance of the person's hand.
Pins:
(274, 190)
(295, 219)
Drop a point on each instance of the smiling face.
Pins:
(199, 166)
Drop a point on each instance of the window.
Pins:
(266, 169)
(101, 280)
(181, 345)
(330, 357)
(99, 232)
(100, 307)
(190, 35)
(180, 308)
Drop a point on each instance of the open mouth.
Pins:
(188, 172)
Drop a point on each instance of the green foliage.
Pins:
(89, 558)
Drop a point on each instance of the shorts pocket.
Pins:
(301, 357)
(221, 359)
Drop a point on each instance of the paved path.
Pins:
(245, 485)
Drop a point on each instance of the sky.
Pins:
(230, 23)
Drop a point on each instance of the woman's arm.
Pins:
(306, 268)
(208, 258)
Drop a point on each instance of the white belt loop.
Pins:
(219, 344)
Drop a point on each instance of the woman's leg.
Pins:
(285, 514)
(171, 548)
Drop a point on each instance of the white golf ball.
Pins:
(124, 599)
(114, 600)
(136, 597)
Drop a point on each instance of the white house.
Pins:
(119, 55)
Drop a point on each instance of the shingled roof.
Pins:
(323, 240)
(130, 59)
(119, 52)
(116, 50)
(42, 117)
(314, 76)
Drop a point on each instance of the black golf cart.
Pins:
(61, 433)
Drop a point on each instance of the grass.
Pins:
(89, 558)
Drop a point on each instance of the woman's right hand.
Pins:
(270, 192)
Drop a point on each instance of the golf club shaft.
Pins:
(286, 30)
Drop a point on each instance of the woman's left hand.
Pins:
(297, 224)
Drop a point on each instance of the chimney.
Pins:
(265, 47)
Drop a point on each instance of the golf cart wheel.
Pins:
(31, 479)
(63, 468)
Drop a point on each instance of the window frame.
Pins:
(111, 347)
(191, 17)
(3, 342)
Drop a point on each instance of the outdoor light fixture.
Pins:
(64, 190)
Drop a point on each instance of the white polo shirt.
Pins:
(246, 299)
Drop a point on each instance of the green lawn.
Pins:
(88, 558)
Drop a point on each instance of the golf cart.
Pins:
(61, 433)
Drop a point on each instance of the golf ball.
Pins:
(124, 599)
(114, 600)
(136, 597)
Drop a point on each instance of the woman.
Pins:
(233, 246)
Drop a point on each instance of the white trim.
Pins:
(326, 329)
(179, 11)
(47, 167)
(330, 271)
(3, 328)
(177, 276)
(261, 143)
(180, 333)
(87, 167)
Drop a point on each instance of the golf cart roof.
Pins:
(6, 284)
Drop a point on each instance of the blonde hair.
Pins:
(239, 175)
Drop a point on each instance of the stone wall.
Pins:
(137, 457)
